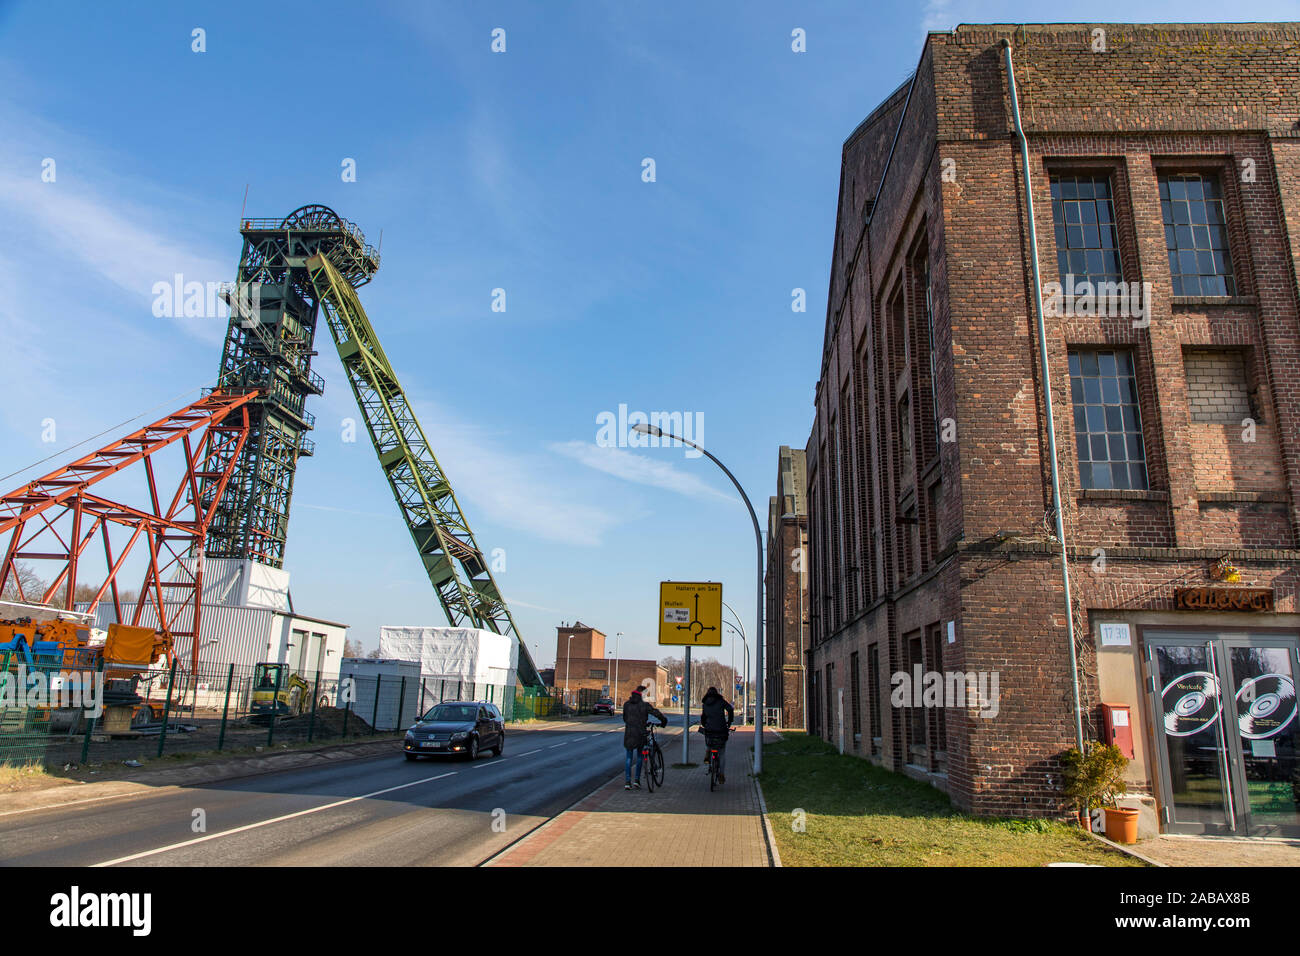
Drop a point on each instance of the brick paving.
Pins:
(682, 824)
(1219, 851)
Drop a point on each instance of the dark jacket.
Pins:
(716, 714)
(636, 714)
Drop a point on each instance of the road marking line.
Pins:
(265, 823)
(73, 803)
(553, 746)
(537, 751)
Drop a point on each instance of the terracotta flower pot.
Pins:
(1122, 824)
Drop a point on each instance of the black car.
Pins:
(462, 727)
(603, 706)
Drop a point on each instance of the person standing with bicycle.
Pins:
(716, 715)
(636, 714)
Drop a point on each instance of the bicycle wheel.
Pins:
(713, 773)
(649, 761)
(657, 766)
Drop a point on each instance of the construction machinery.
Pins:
(279, 691)
(70, 654)
(291, 271)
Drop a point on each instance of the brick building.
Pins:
(786, 585)
(582, 662)
(1164, 162)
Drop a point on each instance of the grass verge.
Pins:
(856, 814)
(21, 776)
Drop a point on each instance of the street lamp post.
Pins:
(568, 648)
(745, 638)
(616, 643)
(744, 709)
(647, 429)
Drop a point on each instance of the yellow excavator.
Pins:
(278, 690)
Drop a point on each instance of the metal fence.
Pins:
(61, 717)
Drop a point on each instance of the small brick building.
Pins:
(786, 586)
(1164, 165)
(582, 662)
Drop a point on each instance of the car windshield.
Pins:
(605, 700)
(453, 712)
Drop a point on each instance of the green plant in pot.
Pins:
(1094, 778)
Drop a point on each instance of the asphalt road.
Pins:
(377, 811)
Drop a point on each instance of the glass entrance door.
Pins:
(1263, 722)
(1227, 729)
(1188, 706)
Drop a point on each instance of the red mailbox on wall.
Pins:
(1117, 727)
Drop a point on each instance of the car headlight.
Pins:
(461, 735)
(410, 736)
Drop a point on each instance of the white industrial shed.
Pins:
(246, 619)
(453, 653)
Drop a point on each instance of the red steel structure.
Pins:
(58, 517)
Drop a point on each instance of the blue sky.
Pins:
(519, 170)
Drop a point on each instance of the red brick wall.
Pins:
(954, 192)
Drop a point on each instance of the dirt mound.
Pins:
(330, 723)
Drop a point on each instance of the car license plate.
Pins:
(431, 744)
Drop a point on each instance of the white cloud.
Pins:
(105, 235)
(639, 469)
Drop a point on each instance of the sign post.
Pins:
(686, 711)
(690, 615)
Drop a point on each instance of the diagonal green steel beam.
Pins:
(456, 567)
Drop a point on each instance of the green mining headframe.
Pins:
(269, 346)
(312, 261)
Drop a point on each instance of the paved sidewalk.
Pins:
(682, 824)
(1177, 850)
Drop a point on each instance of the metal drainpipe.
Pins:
(1047, 394)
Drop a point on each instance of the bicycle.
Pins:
(652, 759)
(710, 738)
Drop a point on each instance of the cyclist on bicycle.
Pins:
(636, 717)
(716, 715)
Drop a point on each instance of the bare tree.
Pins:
(352, 648)
(704, 674)
(32, 587)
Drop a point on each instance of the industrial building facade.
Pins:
(1164, 170)
(786, 586)
(585, 670)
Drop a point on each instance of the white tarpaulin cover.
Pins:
(265, 586)
(242, 583)
(455, 653)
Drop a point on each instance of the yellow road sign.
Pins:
(690, 613)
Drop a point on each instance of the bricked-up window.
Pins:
(832, 718)
(811, 560)
(905, 453)
(866, 484)
(873, 698)
(1218, 389)
(1196, 234)
(917, 749)
(1087, 243)
(848, 505)
(814, 699)
(934, 501)
(1107, 425)
(939, 720)
(854, 690)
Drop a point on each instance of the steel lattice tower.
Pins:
(269, 346)
(291, 271)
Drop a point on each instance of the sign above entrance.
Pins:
(690, 613)
(1223, 599)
